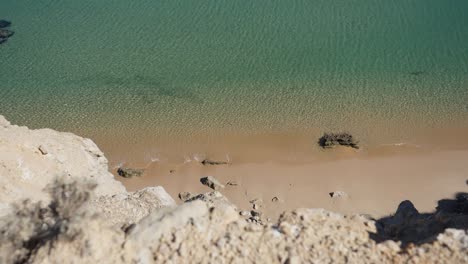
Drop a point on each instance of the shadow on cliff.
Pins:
(409, 226)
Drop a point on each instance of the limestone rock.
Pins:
(127, 208)
(185, 196)
(25, 171)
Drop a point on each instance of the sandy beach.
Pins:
(301, 175)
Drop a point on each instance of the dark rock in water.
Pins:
(3, 40)
(417, 73)
(212, 183)
(213, 162)
(5, 33)
(129, 173)
(329, 140)
(4, 23)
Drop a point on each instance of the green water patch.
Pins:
(243, 65)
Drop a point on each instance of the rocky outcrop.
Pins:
(208, 229)
(62, 231)
(128, 208)
(32, 159)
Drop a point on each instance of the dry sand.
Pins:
(293, 169)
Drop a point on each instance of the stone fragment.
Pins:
(129, 172)
(43, 150)
(338, 194)
(232, 183)
(212, 182)
(214, 162)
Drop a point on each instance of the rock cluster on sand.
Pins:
(76, 219)
(5, 33)
(329, 140)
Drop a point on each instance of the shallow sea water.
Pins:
(139, 69)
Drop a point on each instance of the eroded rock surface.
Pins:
(32, 159)
(128, 208)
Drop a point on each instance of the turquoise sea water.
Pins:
(127, 68)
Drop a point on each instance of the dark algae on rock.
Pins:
(329, 140)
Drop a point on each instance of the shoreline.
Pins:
(60, 203)
(374, 178)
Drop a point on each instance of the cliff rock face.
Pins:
(31, 159)
(128, 208)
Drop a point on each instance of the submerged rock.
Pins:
(329, 140)
(5, 33)
(3, 40)
(4, 23)
(417, 73)
(212, 182)
(129, 173)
